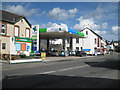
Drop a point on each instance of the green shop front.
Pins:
(23, 45)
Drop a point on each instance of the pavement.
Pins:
(7, 66)
(85, 72)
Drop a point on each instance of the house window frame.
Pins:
(86, 32)
(4, 46)
(68, 40)
(18, 30)
(26, 32)
(5, 29)
(95, 41)
(77, 40)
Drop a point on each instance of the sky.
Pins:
(101, 17)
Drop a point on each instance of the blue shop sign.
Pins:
(28, 47)
(86, 49)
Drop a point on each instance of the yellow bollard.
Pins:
(43, 55)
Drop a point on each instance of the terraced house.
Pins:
(15, 34)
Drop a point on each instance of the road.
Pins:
(95, 72)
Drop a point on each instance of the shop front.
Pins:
(23, 45)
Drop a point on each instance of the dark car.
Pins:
(81, 53)
(54, 53)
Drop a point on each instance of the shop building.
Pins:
(15, 34)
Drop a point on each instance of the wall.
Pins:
(12, 46)
(89, 41)
(7, 41)
(77, 44)
(23, 25)
(10, 30)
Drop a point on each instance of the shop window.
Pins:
(18, 47)
(27, 33)
(16, 31)
(23, 47)
(3, 28)
(3, 45)
(77, 40)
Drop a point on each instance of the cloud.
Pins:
(100, 32)
(62, 14)
(104, 25)
(83, 23)
(19, 9)
(96, 14)
(50, 24)
(40, 14)
(115, 29)
(54, 26)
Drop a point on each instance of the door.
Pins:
(0, 46)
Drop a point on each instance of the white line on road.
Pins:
(63, 69)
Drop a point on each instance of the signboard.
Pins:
(23, 47)
(86, 49)
(35, 35)
(22, 39)
(28, 47)
(18, 47)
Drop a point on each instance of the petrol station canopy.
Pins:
(45, 33)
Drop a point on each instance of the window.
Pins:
(3, 45)
(3, 27)
(77, 40)
(68, 41)
(77, 48)
(16, 31)
(27, 33)
(86, 32)
(81, 48)
(95, 41)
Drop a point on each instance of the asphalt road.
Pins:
(96, 72)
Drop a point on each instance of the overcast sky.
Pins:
(100, 17)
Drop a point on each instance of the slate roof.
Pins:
(11, 17)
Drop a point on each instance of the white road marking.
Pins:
(48, 72)
(63, 69)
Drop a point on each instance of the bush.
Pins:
(22, 55)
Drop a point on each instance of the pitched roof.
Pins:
(92, 31)
(11, 17)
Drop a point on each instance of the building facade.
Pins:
(15, 34)
(92, 43)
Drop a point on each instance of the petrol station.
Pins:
(53, 33)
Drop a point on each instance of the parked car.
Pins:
(81, 53)
(61, 53)
(54, 53)
(71, 53)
